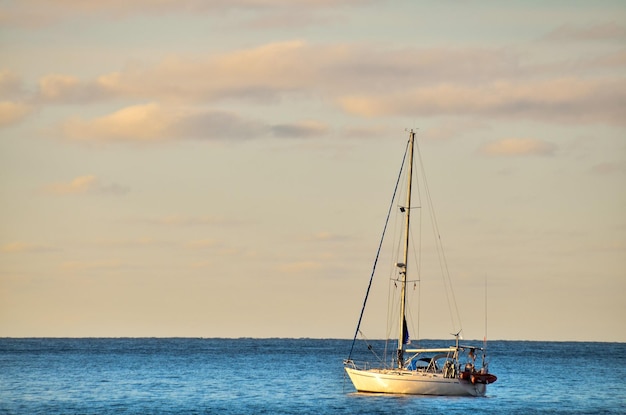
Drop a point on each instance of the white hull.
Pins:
(412, 383)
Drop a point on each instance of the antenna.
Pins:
(485, 336)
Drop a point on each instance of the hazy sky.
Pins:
(223, 167)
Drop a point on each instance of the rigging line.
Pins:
(485, 337)
(393, 309)
(439, 244)
(370, 347)
(414, 335)
(419, 309)
(390, 307)
(416, 256)
(382, 238)
(485, 364)
(392, 289)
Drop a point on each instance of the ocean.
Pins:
(287, 376)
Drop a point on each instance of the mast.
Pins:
(404, 264)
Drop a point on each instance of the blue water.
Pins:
(286, 376)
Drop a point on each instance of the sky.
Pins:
(213, 168)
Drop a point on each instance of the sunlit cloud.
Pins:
(366, 80)
(323, 236)
(19, 247)
(519, 147)
(138, 123)
(13, 101)
(13, 112)
(153, 122)
(572, 100)
(81, 184)
(257, 74)
(84, 184)
(53, 86)
(269, 72)
(69, 89)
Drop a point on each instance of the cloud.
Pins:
(598, 32)
(268, 72)
(323, 236)
(68, 89)
(13, 112)
(13, 105)
(35, 13)
(84, 184)
(153, 122)
(137, 123)
(81, 266)
(559, 100)
(129, 243)
(292, 18)
(19, 247)
(609, 168)
(258, 74)
(303, 129)
(180, 94)
(10, 84)
(519, 147)
(81, 184)
(357, 75)
(216, 125)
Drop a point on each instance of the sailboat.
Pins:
(444, 371)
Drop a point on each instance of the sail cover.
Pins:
(405, 333)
